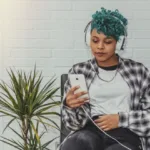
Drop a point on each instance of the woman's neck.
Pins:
(114, 60)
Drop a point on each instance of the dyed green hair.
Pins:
(111, 23)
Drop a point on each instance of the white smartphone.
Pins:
(79, 80)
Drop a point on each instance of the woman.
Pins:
(119, 94)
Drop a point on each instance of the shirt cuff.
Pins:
(123, 119)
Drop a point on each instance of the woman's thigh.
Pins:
(119, 147)
(128, 139)
(83, 140)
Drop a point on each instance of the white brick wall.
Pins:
(50, 33)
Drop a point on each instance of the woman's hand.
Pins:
(73, 100)
(108, 122)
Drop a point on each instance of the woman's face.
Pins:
(103, 47)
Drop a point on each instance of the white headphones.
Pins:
(87, 36)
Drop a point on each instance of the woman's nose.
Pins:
(100, 45)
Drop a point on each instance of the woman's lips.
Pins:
(100, 54)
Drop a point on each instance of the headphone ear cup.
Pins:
(88, 34)
(121, 43)
(124, 43)
(88, 38)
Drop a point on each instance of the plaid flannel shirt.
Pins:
(137, 119)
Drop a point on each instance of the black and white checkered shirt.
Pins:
(137, 77)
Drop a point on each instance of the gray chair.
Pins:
(64, 131)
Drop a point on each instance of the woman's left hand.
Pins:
(108, 122)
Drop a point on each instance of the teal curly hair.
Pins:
(111, 23)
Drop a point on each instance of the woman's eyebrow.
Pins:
(109, 38)
(95, 36)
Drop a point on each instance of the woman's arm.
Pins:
(139, 120)
(73, 118)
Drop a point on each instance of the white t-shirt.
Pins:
(109, 97)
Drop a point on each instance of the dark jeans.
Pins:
(91, 138)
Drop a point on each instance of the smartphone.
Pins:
(79, 80)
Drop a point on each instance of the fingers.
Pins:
(107, 122)
(74, 100)
(103, 126)
(78, 101)
(99, 120)
(73, 89)
(77, 95)
(100, 124)
(106, 129)
(76, 105)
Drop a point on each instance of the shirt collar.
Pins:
(95, 65)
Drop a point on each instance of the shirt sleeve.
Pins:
(139, 120)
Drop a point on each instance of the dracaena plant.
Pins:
(29, 104)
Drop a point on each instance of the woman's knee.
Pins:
(84, 139)
(75, 141)
(84, 136)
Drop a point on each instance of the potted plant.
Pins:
(29, 105)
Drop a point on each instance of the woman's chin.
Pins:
(100, 59)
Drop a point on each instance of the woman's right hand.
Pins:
(74, 100)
